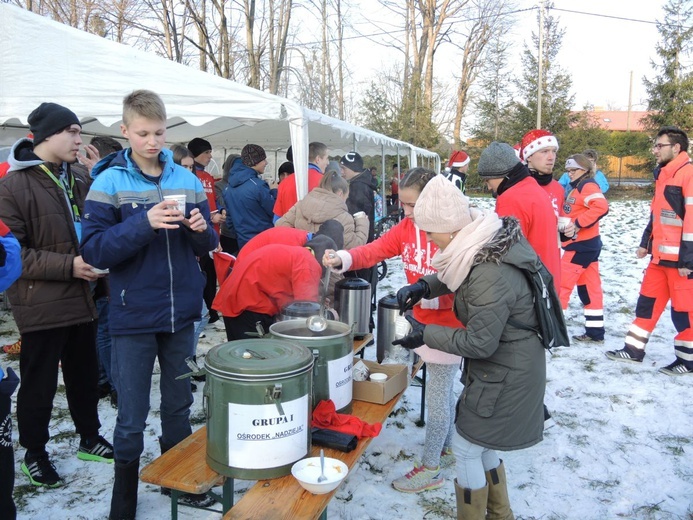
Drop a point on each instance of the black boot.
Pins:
(200, 500)
(124, 498)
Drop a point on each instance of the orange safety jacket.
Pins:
(586, 206)
(669, 236)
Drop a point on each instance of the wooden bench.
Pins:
(184, 469)
(284, 498)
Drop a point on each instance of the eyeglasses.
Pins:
(659, 146)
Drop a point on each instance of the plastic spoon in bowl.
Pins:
(322, 477)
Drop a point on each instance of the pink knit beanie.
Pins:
(441, 207)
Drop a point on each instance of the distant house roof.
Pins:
(617, 120)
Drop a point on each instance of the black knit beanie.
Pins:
(252, 154)
(49, 119)
(333, 229)
(198, 146)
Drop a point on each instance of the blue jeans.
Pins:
(103, 342)
(200, 327)
(132, 365)
(472, 462)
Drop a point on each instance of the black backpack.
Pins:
(552, 331)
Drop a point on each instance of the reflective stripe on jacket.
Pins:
(672, 214)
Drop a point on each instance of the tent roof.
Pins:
(93, 74)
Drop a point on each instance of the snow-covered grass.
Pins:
(621, 449)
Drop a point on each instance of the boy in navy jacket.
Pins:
(10, 269)
(150, 246)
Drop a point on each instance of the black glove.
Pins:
(416, 337)
(410, 295)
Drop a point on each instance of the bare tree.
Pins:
(484, 21)
(280, 18)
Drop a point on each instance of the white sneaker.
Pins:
(447, 459)
(419, 479)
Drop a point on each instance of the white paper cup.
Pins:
(180, 199)
(563, 223)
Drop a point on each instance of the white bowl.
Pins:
(307, 471)
(378, 377)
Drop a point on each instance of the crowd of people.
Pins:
(108, 262)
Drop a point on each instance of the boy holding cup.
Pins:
(150, 243)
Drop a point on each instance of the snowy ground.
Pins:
(622, 447)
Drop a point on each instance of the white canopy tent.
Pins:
(47, 61)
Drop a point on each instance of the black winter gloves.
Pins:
(410, 295)
(416, 337)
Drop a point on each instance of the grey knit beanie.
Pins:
(497, 160)
(441, 207)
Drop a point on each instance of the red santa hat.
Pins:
(516, 147)
(536, 140)
(458, 159)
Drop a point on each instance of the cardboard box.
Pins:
(381, 393)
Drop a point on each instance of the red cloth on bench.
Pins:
(325, 416)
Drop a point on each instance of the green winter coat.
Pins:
(504, 375)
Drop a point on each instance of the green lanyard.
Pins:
(67, 189)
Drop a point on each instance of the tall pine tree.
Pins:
(494, 95)
(671, 91)
(557, 101)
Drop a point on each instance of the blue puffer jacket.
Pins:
(156, 282)
(11, 267)
(249, 203)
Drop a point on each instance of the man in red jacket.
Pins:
(518, 195)
(669, 239)
(275, 268)
(538, 150)
(201, 151)
(286, 192)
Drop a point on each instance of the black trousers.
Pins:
(245, 322)
(210, 290)
(73, 347)
(229, 245)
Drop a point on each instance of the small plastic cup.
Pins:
(180, 199)
(563, 223)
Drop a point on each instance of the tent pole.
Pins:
(382, 176)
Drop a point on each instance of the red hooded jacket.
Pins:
(269, 278)
(527, 201)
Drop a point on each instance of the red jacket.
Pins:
(208, 184)
(268, 279)
(286, 193)
(585, 206)
(527, 201)
(672, 214)
(275, 235)
(557, 195)
(409, 242)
